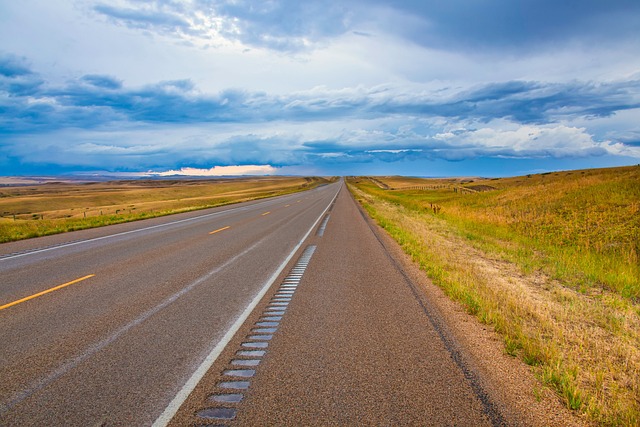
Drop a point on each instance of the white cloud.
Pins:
(221, 171)
(527, 141)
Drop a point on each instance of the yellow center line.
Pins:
(55, 288)
(266, 213)
(220, 229)
(286, 206)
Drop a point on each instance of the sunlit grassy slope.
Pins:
(551, 261)
(587, 223)
(30, 211)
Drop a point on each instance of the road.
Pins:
(343, 339)
(106, 326)
(288, 311)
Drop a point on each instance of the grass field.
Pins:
(38, 210)
(550, 260)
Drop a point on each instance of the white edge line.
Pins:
(170, 411)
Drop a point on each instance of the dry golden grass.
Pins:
(587, 223)
(29, 211)
(584, 342)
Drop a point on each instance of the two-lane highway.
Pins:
(106, 326)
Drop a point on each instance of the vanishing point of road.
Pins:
(284, 311)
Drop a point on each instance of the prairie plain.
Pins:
(550, 261)
(55, 207)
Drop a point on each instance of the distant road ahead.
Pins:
(104, 326)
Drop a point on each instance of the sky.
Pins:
(318, 87)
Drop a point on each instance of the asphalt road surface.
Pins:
(106, 327)
(289, 311)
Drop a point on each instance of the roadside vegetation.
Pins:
(39, 210)
(551, 261)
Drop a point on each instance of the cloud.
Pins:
(527, 141)
(497, 139)
(514, 119)
(535, 102)
(305, 144)
(285, 25)
(147, 16)
(16, 77)
(30, 104)
(505, 24)
(164, 84)
(294, 26)
(97, 120)
(630, 138)
(221, 171)
(100, 81)
(93, 100)
(12, 66)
